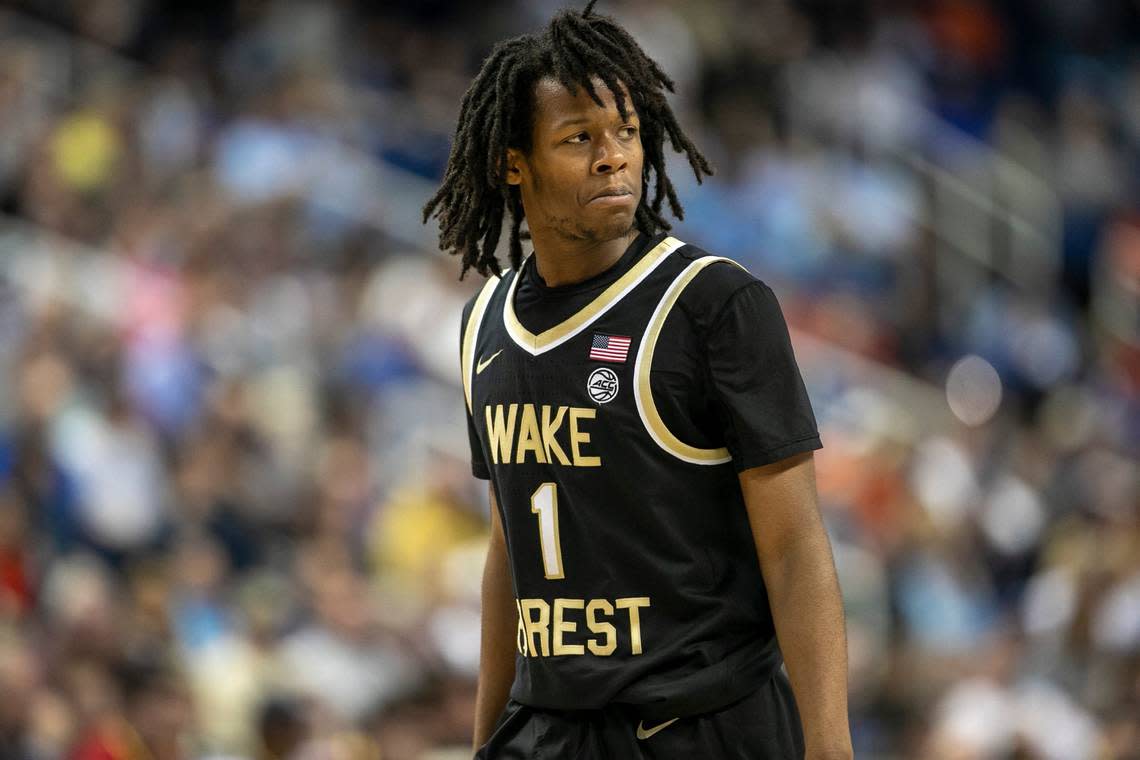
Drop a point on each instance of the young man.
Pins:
(635, 403)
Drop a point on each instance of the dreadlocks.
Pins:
(497, 113)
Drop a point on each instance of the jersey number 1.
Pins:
(544, 503)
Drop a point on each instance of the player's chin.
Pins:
(613, 229)
(613, 222)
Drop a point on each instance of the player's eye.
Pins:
(578, 139)
(628, 130)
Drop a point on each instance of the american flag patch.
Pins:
(609, 348)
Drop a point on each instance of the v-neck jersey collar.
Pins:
(636, 268)
(633, 252)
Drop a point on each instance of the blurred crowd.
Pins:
(236, 512)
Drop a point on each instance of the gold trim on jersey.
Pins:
(642, 391)
(470, 333)
(564, 331)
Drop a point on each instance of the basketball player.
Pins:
(657, 551)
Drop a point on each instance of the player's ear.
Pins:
(514, 161)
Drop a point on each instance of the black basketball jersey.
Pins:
(607, 440)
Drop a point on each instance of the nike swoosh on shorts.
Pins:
(644, 733)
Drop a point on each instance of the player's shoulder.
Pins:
(482, 295)
(714, 281)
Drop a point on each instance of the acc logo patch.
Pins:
(602, 385)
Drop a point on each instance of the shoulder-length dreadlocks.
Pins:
(497, 113)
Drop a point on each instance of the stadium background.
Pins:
(235, 507)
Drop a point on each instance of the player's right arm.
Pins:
(499, 628)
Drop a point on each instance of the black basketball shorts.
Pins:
(763, 726)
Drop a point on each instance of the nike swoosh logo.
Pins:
(644, 733)
(484, 362)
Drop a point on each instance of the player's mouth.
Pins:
(612, 196)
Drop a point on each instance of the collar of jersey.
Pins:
(584, 317)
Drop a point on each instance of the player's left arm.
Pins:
(803, 591)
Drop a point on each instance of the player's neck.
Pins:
(565, 262)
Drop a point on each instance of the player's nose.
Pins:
(609, 156)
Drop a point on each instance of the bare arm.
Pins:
(499, 627)
(803, 590)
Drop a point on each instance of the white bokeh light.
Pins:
(1013, 517)
(973, 390)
